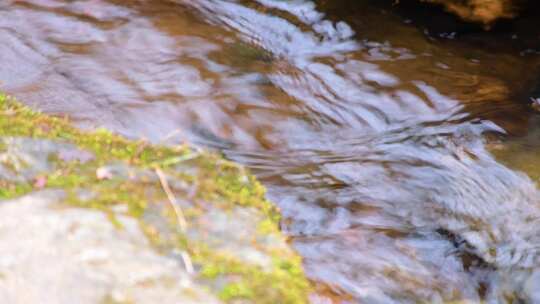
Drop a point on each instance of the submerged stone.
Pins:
(484, 11)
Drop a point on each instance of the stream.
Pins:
(398, 142)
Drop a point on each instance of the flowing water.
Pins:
(399, 145)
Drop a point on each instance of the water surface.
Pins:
(375, 138)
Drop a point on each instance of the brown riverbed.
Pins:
(398, 143)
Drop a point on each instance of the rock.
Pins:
(91, 217)
(535, 104)
(23, 159)
(483, 11)
(57, 254)
(234, 233)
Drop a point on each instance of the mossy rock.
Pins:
(240, 257)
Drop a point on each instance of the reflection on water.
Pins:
(369, 135)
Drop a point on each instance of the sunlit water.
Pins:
(371, 136)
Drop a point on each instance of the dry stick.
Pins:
(187, 262)
(172, 199)
(179, 215)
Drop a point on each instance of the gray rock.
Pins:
(22, 159)
(57, 254)
(233, 232)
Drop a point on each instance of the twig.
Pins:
(187, 262)
(172, 199)
(179, 216)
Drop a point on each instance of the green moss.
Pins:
(218, 178)
(266, 227)
(285, 283)
(211, 178)
(236, 291)
(10, 190)
(19, 120)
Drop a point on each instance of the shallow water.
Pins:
(376, 139)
